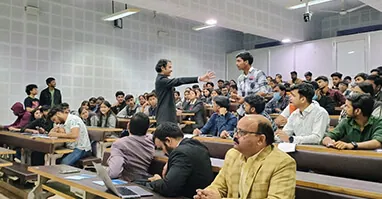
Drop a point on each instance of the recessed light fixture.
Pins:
(121, 14)
(287, 40)
(211, 22)
(351, 52)
(310, 3)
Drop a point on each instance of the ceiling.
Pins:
(266, 18)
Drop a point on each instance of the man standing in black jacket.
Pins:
(188, 167)
(164, 89)
(50, 96)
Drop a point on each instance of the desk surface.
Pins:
(52, 172)
(29, 137)
(4, 151)
(314, 148)
(120, 119)
(91, 128)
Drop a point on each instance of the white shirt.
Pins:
(286, 113)
(82, 142)
(309, 126)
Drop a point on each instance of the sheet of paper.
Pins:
(79, 177)
(115, 182)
(287, 147)
(188, 135)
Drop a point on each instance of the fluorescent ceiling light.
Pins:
(286, 40)
(351, 52)
(121, 14)
(211, 22)
(197, 28)
(311, 3)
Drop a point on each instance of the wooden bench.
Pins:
(19, 170)
(58, 153)
(88, 162)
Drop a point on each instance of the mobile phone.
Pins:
(68, 171)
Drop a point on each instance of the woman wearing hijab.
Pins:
(23, 117)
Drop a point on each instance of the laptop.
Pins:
(121, 191)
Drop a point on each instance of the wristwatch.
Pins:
(355, 145)
(291, 139)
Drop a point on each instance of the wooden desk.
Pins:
(4, 151)
(274, 115)
(122, 122)
(212, 139)
(30, 143)
(99, 129)
(185, 114)
(334, 116)
(91, 190)
(102, 139)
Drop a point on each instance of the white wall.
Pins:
(348, 55)
(88, 57)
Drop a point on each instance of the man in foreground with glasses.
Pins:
(254, 168)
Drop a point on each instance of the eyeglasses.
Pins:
(242, 133)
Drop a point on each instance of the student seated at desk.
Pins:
(360, 130)
(130, 108)
(178, 100)
(188, 167)
(36, 114)
(194, 106)
(31, 103)
(131, 155)
(105, 118)
(120, 103)
(307, 124)
(85, 115)
(279, 101)
(73, 128)
(150, 107)
(23, 117)
(254, 168)
(40, 125)
(255, 105)
(221, 123)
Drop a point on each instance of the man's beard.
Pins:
(168, 149)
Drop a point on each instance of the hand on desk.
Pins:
(343, 145)
(13, 129)
(282, 135)
(197, 132)
(224, 134)
(155, 178)
(207, 194)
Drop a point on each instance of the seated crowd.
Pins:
(303, 109)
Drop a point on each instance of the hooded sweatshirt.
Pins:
(23, 117)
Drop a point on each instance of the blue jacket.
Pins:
(217, 123)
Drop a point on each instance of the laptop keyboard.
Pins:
(125, 191)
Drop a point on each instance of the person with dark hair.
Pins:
(41, 125)
(93, 107)
(194, 106)
(253, 162)
(336, 95)
(251, 81)
(166, 111)
(376, 81)
(66, 107)
(50, 96)
(130, 108)
(31, 103)
(279, 79)
(347, 79)
(100, 100)
(131, 156)
(206, 98)
(120, 103)
(324, 101)
(364, 88)
(84, 114)
(255, 105)
(360, 77)
(220, 84)
(225, 92)
(294, 79)
(232, 82)
(210, 85)
(105, 118)
(73, 128)
(343, 87)
(23, 118)
(308, 76)
(178, 100)
(186, 98)
(336, 79)
(188, 167)
(360, 130)
(308, 124)
(376, 72)
(279, 101)
(151, 105)
(215, 93)
(142, 99)
(222, 122)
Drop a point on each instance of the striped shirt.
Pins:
(131, 157)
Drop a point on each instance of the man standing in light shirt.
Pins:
(252, 81)
(308, 124)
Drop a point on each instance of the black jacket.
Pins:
(46, 98)
(166, 110)
(198, 109)
(118, 108)
(189, 168)
(328, 104)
